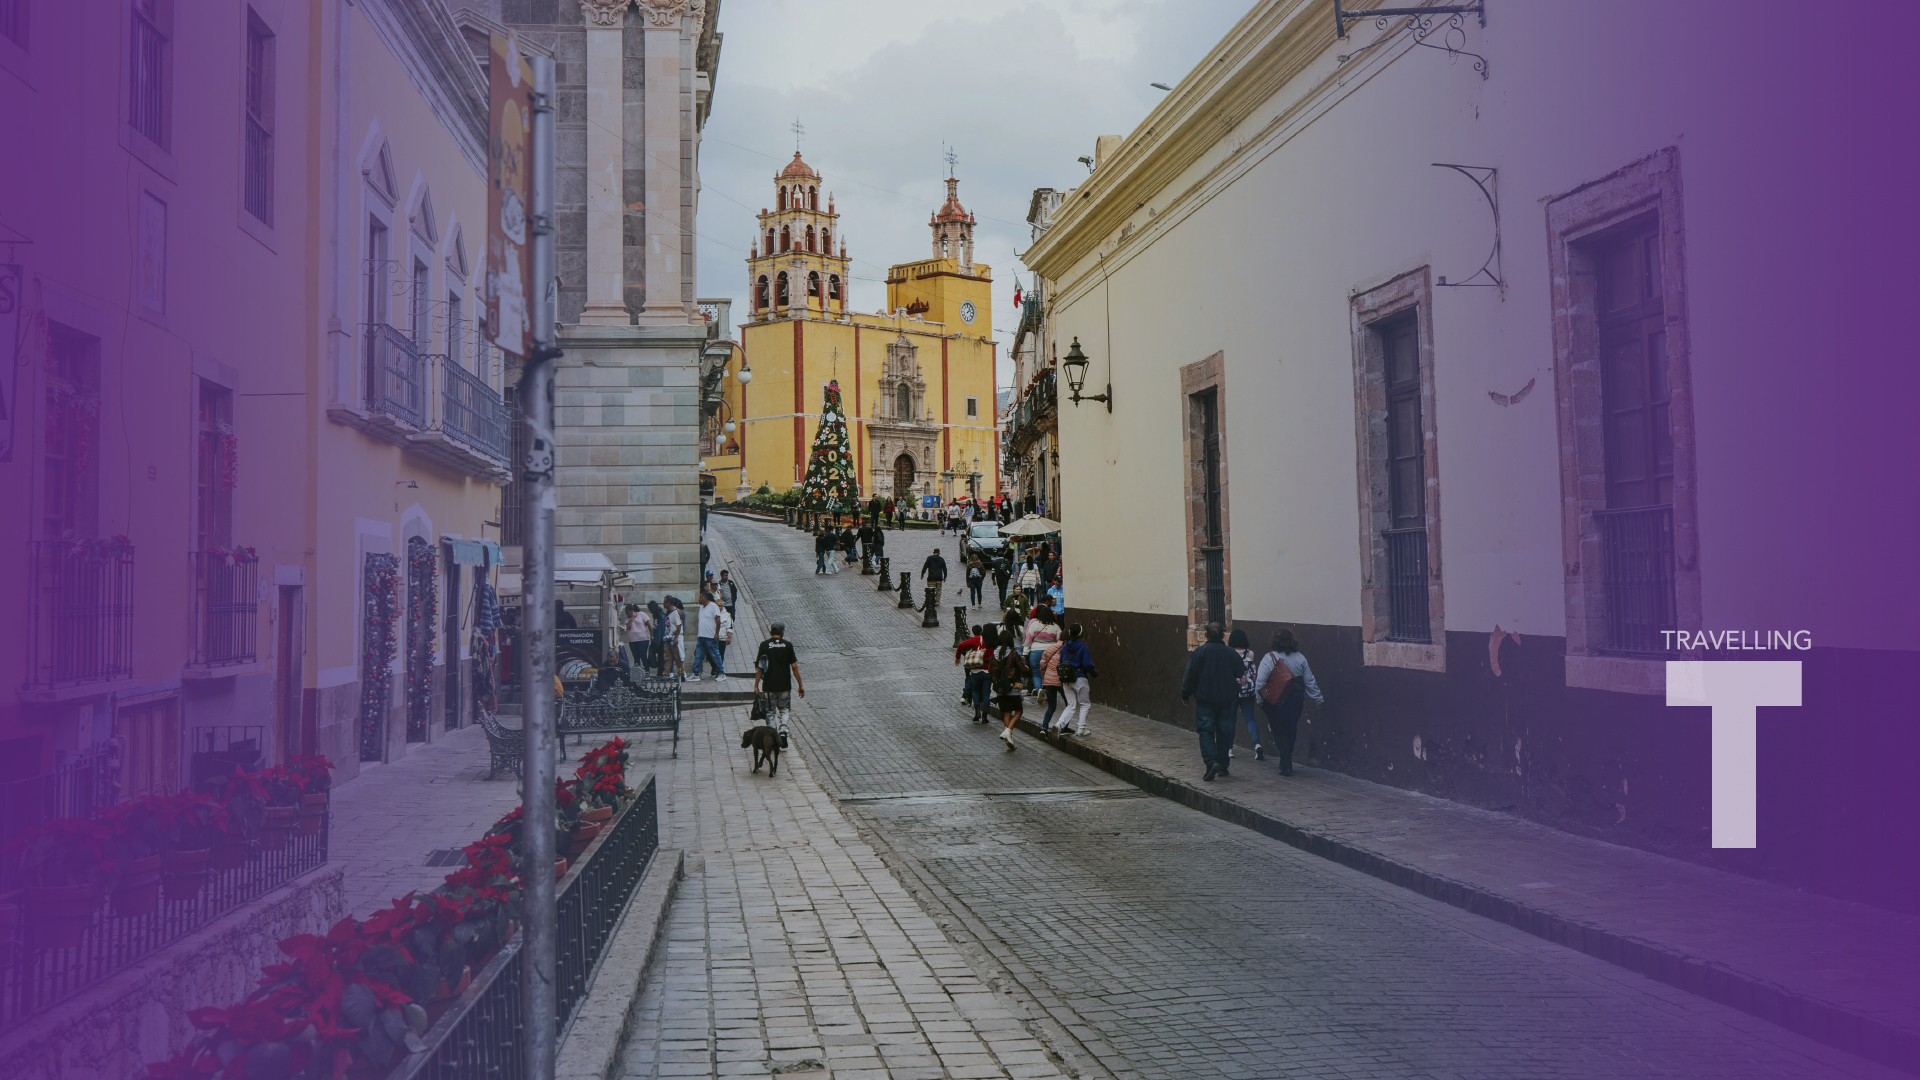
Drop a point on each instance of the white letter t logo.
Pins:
(1734, 688)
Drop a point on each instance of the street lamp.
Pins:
(1076, 365)
(745, 374)
(729, 426)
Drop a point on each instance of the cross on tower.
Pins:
(953, 162)
(798, 130)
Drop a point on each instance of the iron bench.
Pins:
(655, 708)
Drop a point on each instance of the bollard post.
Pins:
(866, 561)
(959, 623)
(886, 577)
(932, 606)
(906, 589)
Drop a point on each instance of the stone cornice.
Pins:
(666, 14)
(1267, 49)
(604, 12)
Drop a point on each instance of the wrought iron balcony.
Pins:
(1027, 417)
(224, 608)
(1636, 548)
(469, 428)
(396, 376)
(80, 616)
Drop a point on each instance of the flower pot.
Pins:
(57, 916)
(138, 892)
(229, 854)
(599, 815)
(276, 826)
(313, 813)
(184, 873)
(580, 837)
(559, 869)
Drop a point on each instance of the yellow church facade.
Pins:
(917, 381)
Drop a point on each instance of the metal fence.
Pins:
(480, 1038)
(1636, 548)
(396, 376)
(31, 979)
(225, 607)
(80, 614)
(1407, 614)
(469, 409)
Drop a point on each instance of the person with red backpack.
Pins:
(1283, 685)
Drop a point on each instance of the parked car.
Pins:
(982, 538)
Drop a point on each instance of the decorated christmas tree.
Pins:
(830, 485)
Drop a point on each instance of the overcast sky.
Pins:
(1018, 88)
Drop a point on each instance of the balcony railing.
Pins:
(1408, 617)
(470, 411)
(1636, 548)
(224, 608)
(396, 375)
(80, 613)
(1038, 403)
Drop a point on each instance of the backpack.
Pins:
(1277, 682)
(1249, 667)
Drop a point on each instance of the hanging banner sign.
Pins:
(509, 166)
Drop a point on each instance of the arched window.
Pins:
(813, 198)
(760, 294)
(826, 240)
(810, 246)
(813, 284)
(783, 198)
(786, 239)
(780, 290)
(833, 288)
(903, 402)
(943, 247)
(769, 241)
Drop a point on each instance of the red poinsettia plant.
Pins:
(314, 772)
(62, 852)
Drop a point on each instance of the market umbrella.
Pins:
(1031, 525)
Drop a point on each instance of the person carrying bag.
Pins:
(1282, 685)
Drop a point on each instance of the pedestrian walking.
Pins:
(822, 546)
(729, 593)
(1028, 582)
(934, 570)
(972, 655)
(873, 512)
(1283, 683)
(1050, 683)
(1075, 668)
(1010, 674)
(657, 651)
(676, 637)
(846, 544)
(776, 672)
(1057, 597)
(639, 636)
(707, 638)
(976, 577)
(1002, 573)
(1039, 632)
(1243, 706)
(726, 637)
(1212, 682)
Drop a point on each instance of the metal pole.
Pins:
(538, 708)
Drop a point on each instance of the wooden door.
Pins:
(150, 756)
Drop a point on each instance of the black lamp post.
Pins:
(1076, 365)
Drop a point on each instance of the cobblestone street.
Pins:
(907, 899)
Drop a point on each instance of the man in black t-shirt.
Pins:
(776, 672)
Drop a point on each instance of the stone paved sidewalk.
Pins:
(791, 947)
(1844, 973)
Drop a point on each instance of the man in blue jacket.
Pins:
(1213, 684)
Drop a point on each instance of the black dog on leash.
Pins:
(765, 743)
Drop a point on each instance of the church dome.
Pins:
(797, 169)
(952, 210)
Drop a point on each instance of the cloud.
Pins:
(1019, 89)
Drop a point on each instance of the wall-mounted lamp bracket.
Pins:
(1423, 22)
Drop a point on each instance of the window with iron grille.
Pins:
(259, 121)
(215, 452)
(1406, 535)
(70, 509)
(13, 21)
(1206, 407)
(149, 72)
(1402, 606)
(419, 307)
(1636, 527)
